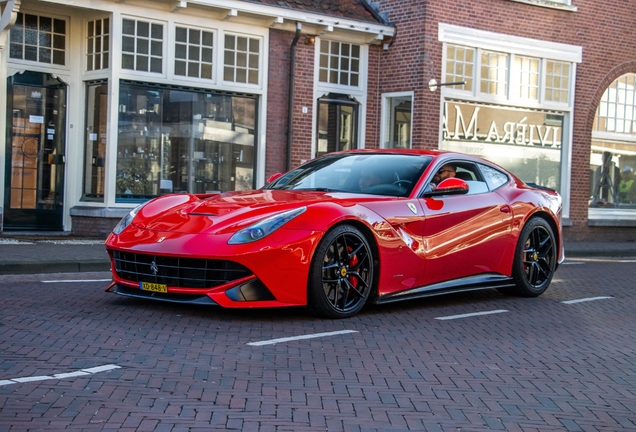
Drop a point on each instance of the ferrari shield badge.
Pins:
(412, 207)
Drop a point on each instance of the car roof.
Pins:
(438, 154)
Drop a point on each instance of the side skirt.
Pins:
(471, 283)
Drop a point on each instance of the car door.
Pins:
(464, 235)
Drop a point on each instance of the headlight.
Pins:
(265, 227)
(127, 220)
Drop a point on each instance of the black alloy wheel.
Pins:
(535, 258)
(341, 277)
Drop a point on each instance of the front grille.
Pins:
(176, 271)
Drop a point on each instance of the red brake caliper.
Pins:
(352, 263)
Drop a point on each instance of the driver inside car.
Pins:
(446, 171)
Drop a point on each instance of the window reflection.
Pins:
(612, 180)
(337, 123)
(95, 141)
(176, 141)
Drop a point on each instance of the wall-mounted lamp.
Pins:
(310, 40)
(433, 84)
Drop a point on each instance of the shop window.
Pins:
(95, 141)
(397, 112)
(613, 155)
(193, 53)
(557, 79)
(38, 38)
(527, 70)
(178, 141)
(460, 62)
(494, 73)
(337, 123)
(98, 44)
(142, 46)
(241, 59)
(528, 142)
(339, 63)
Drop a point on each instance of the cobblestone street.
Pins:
(74, 357)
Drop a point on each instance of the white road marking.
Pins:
(293, 338)
(452, 317)
(76, 280)
(609, 259)
(80, 372)
(586, 299)
(573, 263)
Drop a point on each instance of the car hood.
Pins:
(231, 211)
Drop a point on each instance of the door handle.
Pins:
(505, 208)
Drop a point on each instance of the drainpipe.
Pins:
(290, 104)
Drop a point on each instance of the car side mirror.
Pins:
(274, 177)
(450, 186)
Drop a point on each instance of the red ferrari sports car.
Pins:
(342, 230)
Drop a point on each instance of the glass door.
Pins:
(337, 124)
(34, 183)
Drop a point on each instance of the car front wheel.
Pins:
(535, 258)
(341, 276)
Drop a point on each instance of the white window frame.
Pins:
(36, 65)
(565, 5)
(359, 93)
(133, 73)
(338, 70)
(89, 38)
(221, 56)
(615, 216)
(385, 116)
(519, 78)
(215, 48)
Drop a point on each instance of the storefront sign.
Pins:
(465, 121)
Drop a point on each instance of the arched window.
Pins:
(613, 155)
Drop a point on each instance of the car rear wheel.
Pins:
(341, 275)
(535, 259)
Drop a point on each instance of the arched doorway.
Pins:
(35, 153)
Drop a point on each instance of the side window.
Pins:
(471, 175)
(494, 177)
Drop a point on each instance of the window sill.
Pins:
(548, 4)
(99, 212)
(611, 217)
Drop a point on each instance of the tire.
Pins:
(341, 276)
(535, 259)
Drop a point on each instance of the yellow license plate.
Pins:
(154, 287)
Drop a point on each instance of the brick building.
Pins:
(112, 103)
(565, 66)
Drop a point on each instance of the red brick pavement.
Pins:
(542, 365)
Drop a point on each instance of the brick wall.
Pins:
(277, 101)
(277, 106)
(605, 30)
(93, 226)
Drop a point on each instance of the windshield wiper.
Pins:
(319, 189)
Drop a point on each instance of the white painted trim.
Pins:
(359, 93)
(594, 213)
(386, 111)
(244, 8)
(509, 44)
(561, 5)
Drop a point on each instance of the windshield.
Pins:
(378, 174)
